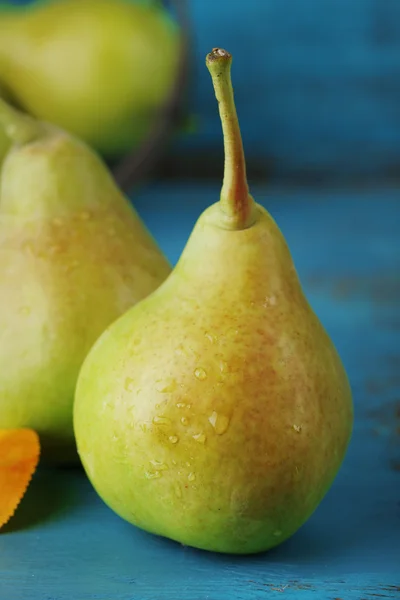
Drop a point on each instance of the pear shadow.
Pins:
(303, 547)
(320, 539)
(306, 545)
(316, 543)
(48, 497)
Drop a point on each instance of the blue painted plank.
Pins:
(317, 82)
(65, 544)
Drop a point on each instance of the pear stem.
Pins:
(235, 201)
(18, 127)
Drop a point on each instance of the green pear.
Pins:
(100, 69)
(217, 412)
(5, 143)
(74, 255)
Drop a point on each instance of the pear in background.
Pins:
(74, 255)
(5, 143)
(100, 69)
(217, 412)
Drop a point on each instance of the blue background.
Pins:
(317, 83)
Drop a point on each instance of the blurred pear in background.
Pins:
(74, 256)
(4, 140)
(4, 145)
(101, 69)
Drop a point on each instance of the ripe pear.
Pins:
(217, 412)
(5, 143)
(100, 69)
(74, 255)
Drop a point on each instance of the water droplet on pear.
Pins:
(166, 387)
(129, 384)
(200, 374)
(160, 466)
(219, 422)
(161, 420)
(152, 474)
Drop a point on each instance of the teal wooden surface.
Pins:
(317, 83)
(65, 544)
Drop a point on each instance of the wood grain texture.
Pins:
(316, 82)
(65, 544)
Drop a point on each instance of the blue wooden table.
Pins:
(65, 544)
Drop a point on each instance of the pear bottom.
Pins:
(217, 466)
(210, 511)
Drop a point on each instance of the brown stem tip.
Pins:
(217, 54)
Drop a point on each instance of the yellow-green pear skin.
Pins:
(4, 145)
(74, 255)
(217, 412)
(100, 69)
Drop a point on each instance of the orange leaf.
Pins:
(19, 457)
